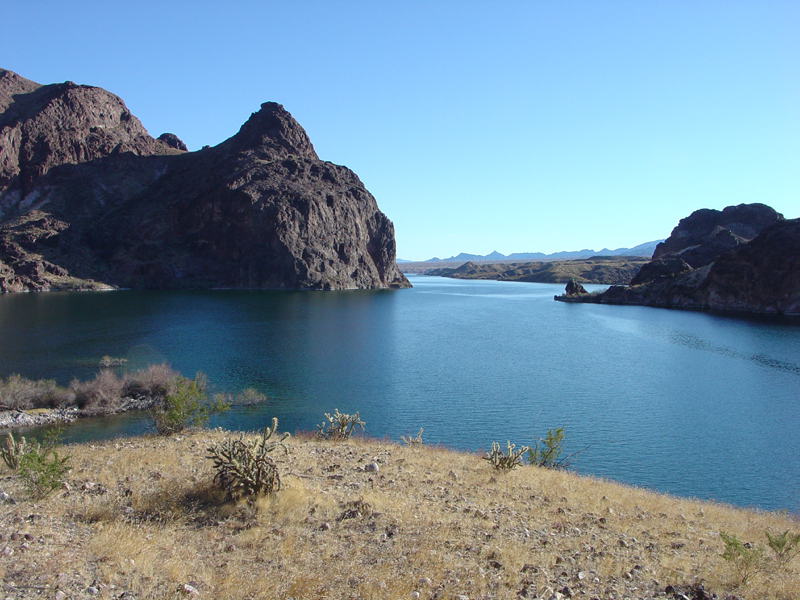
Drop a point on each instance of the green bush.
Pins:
(505, 461)
(245, 468)
(184, 406)
(41, 469)
(785, 546)
(339, 427)
(747, 560)
(547, 451)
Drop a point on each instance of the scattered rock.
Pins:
(372, 467)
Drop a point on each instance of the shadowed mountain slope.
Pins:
(87, 196)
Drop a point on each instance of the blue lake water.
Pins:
(688, 403)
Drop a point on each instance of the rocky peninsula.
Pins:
(89, 200)
(745, 259)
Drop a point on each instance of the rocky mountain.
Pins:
(745, 258)
(645, 249)
(608, 270)
(88, 199)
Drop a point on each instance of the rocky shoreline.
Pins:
(39, 417)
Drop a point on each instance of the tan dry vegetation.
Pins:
(141, 519)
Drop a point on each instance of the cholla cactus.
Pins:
(505, 461)
(12, 450)
(244, 468)
(339, 426)
(415, 441)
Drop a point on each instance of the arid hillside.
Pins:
(140, 518)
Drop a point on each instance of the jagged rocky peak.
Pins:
(43, 126)
(173, 141)
(87, 196)
(705, 234)
(273, 133)
(12, 84)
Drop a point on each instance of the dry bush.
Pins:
(20, 393)
(101, 395)
(154, 381)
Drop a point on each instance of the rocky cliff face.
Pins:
(42, 126)
(745, 258)
(706, 233)
(87, 196)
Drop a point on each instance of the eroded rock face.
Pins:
(761, 275)
(258, 211)
(661, 268)
(706, 234)
(43, 126)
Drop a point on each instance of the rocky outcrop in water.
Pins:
(749, 263)
(88, 199)
(573, 288)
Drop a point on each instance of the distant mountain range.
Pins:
(645, 249)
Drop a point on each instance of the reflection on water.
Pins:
(685, 402)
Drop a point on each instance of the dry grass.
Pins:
(141, 518)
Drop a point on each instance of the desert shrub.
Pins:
(184, 406)
(245, 468)
(505, 461)
(59, 397)
(747, 560)
(249, 396)
(413, 441)
(154, 381)
(100, 395)
(41, 469)
(547, 450)
(339, 427)
(246, 397)
(785, 545)
(110, 361)
(20, 393)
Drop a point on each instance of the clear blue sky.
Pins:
(478, 126)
